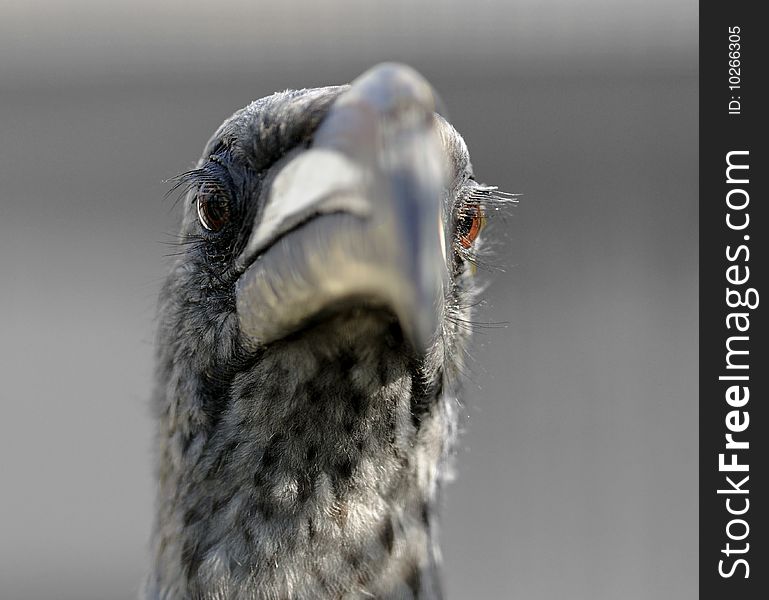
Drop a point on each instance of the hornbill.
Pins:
(310, 344)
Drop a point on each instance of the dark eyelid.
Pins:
(216, 174)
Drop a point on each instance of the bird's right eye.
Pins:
(213, 206)
(471, 221)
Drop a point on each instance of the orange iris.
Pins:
(472, 225)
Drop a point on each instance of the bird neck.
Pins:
(315, 471)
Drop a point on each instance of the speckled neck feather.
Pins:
(317, 479)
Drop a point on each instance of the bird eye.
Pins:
(213, 208)
(471, 221)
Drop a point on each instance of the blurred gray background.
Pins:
(577, 471)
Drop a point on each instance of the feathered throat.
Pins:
(321, 474)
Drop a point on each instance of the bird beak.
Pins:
(356, 219)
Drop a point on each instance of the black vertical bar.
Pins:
(731, 120)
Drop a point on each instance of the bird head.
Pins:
(312, 328)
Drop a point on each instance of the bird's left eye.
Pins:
(469, 225)
(213, 208)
